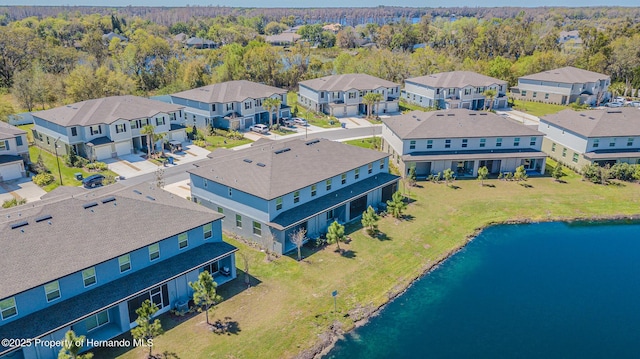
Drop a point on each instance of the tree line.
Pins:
(61, 59)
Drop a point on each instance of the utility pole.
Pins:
(55, 148)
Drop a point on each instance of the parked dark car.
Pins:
(92, 181)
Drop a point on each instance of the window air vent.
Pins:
(108, 199)
(89, 205)
(19, 224)
(43, 218)
(260, 164)
(282, 151)
(247, 160)
(312, 142)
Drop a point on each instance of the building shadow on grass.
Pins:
(238, 285)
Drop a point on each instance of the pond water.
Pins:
(548, 290)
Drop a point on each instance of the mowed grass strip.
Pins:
(290, 302)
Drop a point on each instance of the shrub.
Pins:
(97, 166)
(108, 179)
(623, 171)
(13, 202)
(200, 143)
(235, 135)
(43, 179)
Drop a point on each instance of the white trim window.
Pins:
(8, 308)
(124, 262)
(183, 240)
(207, 231)
(52, 291)
(97, 320)
(154, 251)
(89, 277)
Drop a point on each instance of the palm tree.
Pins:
(490, 94)
(271, 104)
(149, 131)
(378, 97)
(369, 99)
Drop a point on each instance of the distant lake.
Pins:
(549, 290)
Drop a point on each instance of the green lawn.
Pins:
(370, 142)
(538, 108)
(406, 107)
(68, 178)
(221, 141)
(289, 304)
(314, 118)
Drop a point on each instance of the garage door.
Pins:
(11, 171)
(103, 152)
(178, 136)
(123, 148)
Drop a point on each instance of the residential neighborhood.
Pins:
(214, 181)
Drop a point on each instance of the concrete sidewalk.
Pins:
(180, 188)
(522, 117)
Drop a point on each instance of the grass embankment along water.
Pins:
(289, 304)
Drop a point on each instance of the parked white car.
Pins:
(259, 128)
(299, 121)
(615, 104)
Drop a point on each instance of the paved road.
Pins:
(178, 173)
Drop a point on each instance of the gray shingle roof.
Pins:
(287, 165)
(620, 122)
(347, 82)
(230, 91)
(8, 131)
(81, 306)
(568, 75)
(455, 124)
(456, 79)
(105, 111)
(76, 238)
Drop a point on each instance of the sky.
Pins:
(328, 3)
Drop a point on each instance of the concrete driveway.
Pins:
(133, 165)
(20, 188)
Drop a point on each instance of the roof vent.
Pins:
(451, 114)
(247, 160)
(19, 224)
(89, 205)
(582, 114)
(108, 199)
(136, 191)
(282, 151)
(618, 111)
(43, 218)
(440, 114)
(260, 164)
(312, 142)
(472, 114)
(483, 114)
(150, 198)
(592, 118)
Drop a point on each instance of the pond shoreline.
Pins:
(329, 338)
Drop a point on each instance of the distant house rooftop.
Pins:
(230, 91)
(455, 123)
(568, 74)
(105, 111)
(8, 131)
(112, 35)
(455, 79)
(347, 82)
(620, 122)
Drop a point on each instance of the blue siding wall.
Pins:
(34, 299)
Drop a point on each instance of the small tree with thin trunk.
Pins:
(268, 242)
(520, 174)
(557, 172)
(447, 175)
(147, 329)
(483, 173)
(335, 234)
(71, 346)
(396, 205)
(411, 176)
(370, 221)
(204, 293)
(490, 94)
(271, 104)
(247, 276)
(149, 131)
(297, 238)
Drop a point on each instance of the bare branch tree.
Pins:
(298, 237)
